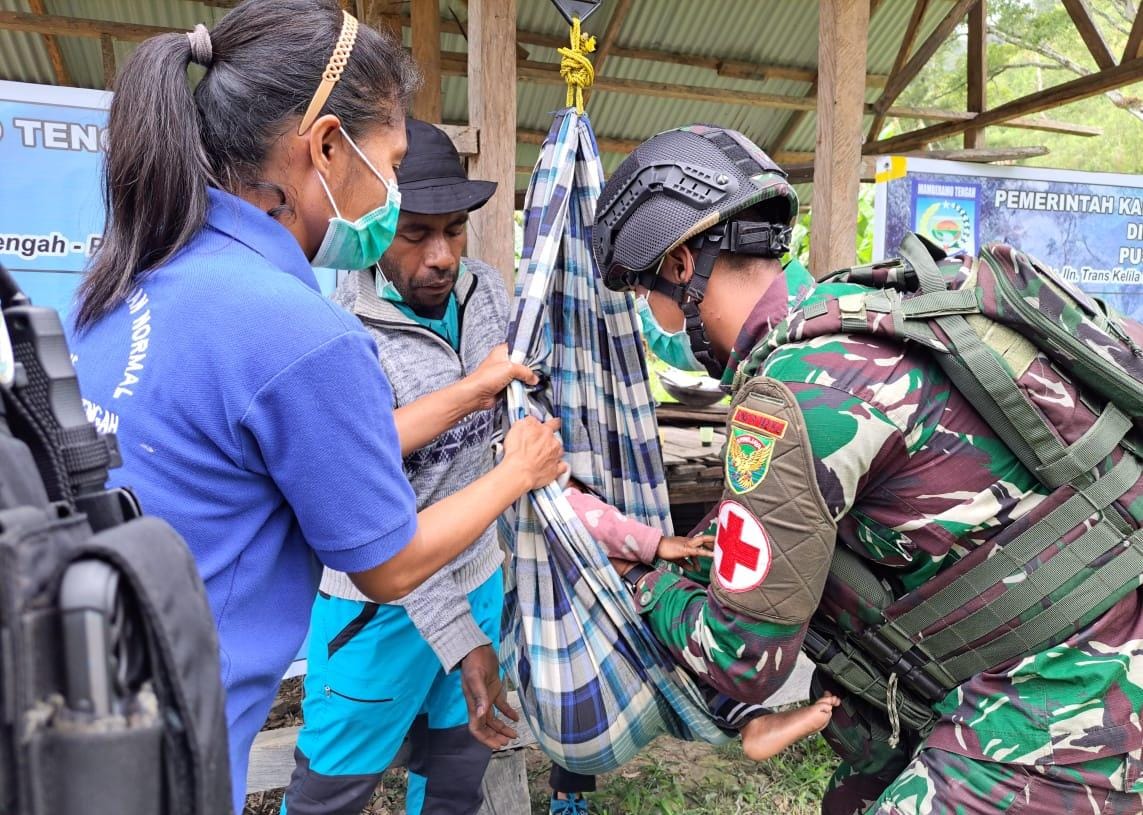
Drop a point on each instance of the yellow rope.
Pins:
(575, 67)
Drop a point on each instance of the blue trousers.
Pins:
(371, 680)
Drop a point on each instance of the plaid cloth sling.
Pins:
(594, 683)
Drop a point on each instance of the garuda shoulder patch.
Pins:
(749, 447)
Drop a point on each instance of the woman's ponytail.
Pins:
(264, 61)
(156, 172)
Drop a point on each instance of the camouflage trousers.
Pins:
(875, 779)
(942, 783)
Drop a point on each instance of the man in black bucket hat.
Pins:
(432, 178)
(379, 673)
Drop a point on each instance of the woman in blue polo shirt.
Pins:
(236, 389)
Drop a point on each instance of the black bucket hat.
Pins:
(432, 178)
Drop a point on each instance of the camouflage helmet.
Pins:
(676, 186)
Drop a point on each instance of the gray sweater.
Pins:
(418, 362)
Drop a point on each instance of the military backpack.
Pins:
(992, 323)
(111, 700)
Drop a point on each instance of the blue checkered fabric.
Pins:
(594, 683)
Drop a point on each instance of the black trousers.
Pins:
(562, 780)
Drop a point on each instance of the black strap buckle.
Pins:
(636, 573)
(758, 239)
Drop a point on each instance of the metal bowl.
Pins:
(692, 391)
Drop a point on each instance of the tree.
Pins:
(1033, 44)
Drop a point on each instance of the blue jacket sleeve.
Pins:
(323, 429)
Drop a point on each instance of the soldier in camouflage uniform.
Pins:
(859, 442)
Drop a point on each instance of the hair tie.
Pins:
(202, 53)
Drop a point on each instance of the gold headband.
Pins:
(332, 72)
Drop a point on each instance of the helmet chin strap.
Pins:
(690, 295)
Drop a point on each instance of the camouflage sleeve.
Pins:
(744, 658)
(776, 532)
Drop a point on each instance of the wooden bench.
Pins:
(693, 466)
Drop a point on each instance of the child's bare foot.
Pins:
(769, 735)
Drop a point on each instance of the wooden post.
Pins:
(107, 51)
(426, 21)
(492, 110)
(977, 70)
(381, 15)
(52, 46)
(842, 33)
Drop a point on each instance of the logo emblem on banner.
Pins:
(749, 448)
(742, 553)
(945, 211)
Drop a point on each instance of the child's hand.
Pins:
(686, 551)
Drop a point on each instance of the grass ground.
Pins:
(681, 778)
(669, 778)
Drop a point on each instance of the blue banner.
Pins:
(51, 207)
(51, 213)
(1087, 226)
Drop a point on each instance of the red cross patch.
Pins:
(742, 554)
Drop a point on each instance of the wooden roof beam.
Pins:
(52, 46)
(730, 68)
(77, 27)
(606, 143)
(977, 71)
(1021, 123)
(1134, 47)
(803, 173)
(611, 34)
(908, 72)
(454, 64)
(793, 122)
(1081, 16)
(1080, 88)
(911, 29)
(377, 15)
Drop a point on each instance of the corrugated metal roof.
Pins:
(23, 57)
(774, 32)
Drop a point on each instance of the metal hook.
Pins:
(577, 8)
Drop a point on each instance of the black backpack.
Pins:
(111, 701)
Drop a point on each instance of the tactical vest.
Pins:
(987, 320)
(111, 697)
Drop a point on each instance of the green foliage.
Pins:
(1032, 45)
(865, 224)
(800, 241)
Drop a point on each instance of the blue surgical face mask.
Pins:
(674, 349)
(361, 243)
(385, 288)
